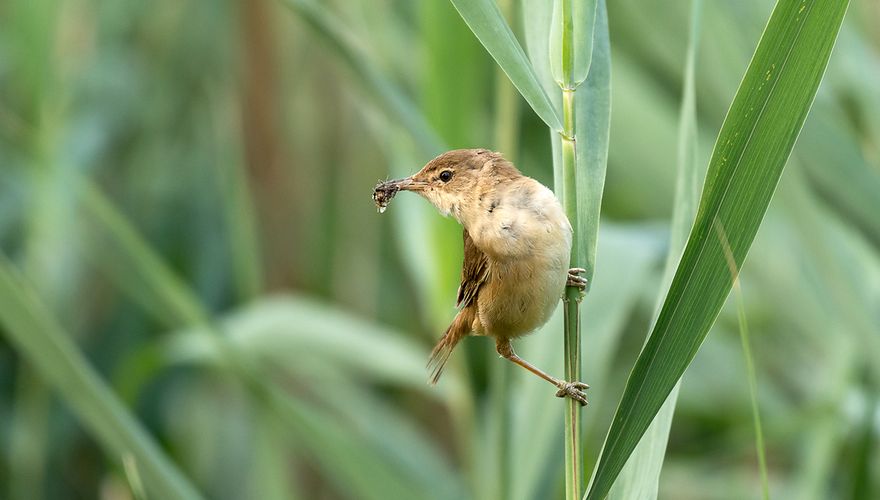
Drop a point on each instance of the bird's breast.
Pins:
(518, 221)
(527, 240)
(520, 296)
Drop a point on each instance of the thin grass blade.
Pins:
(296, 330)
(537, 18)
(134, 266)
(750, 367)
(755, 141)
(753, 391)
(641, 476)
(391, 98)
(488, 24)
(31, 328)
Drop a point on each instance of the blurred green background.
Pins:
(184, 190)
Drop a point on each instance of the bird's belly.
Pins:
(521, 295)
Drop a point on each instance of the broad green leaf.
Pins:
(297, 331)
(593, 121)
(488, 24)
(755, 141)
(326, 347)
(31, 328)
(641, 474)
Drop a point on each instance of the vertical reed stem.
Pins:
(572, 298)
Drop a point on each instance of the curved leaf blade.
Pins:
(486, 21)
(755, 141)
(37, 335)
(593, 118)
(388, 95)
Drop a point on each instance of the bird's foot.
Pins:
(573, 390)
(575, 279)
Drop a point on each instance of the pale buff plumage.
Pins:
(517, 242)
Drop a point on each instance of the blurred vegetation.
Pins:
(193, 267)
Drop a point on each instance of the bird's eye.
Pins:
(446, 175)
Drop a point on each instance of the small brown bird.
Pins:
(517, 243)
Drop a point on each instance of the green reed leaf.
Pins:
(755, 141)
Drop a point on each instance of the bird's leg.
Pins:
(573, 390)
(575, 279)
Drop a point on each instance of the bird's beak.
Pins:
(408, 184)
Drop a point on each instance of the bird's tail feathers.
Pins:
(460, 327)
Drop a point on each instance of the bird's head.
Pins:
(453, 181)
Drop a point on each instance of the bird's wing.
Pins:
(474, 272)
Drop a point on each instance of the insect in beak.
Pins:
(385, 191)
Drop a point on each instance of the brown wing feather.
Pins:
(474, 272)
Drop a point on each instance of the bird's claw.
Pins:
(575, 279)
(573, 390)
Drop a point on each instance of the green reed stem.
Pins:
(753, 390)
(571, 301)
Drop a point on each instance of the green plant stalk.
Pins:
(750, 365)
(573, 442)
(753, 390)
(571, 301)
(571, 321)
